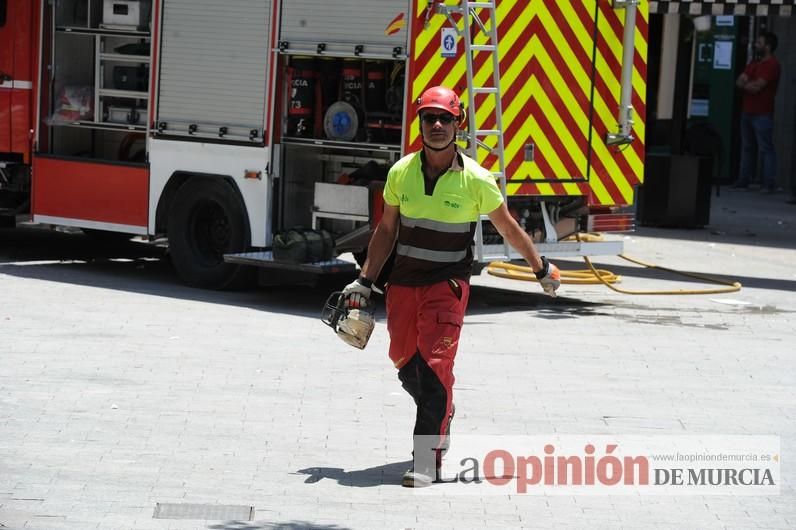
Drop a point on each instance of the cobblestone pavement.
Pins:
(121, 388)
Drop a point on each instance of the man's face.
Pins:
(438, 127)
(760, 45)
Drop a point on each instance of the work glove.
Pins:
(357, 293)
(549, 277)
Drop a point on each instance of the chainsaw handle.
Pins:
(333, 309)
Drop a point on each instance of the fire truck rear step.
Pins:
(558, 249)
(265, 259)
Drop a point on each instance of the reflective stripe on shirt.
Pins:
(439, 226)
(437, 256)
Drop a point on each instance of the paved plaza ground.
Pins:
(120, 388)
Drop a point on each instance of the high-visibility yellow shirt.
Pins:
(438, 219)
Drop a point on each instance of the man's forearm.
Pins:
(751, 87)
(523, 244)
(379, 250)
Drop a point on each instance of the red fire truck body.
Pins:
(218, 124)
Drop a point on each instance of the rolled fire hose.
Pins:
(594, 276)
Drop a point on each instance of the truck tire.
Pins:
(207, 220)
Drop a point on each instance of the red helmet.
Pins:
(440, 97)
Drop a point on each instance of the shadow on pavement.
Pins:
(385, 475)
(146, 269)
(491, 300)
(73, 258)
(37, 253)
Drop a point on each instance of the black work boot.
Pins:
(424, 478)
(446, 438)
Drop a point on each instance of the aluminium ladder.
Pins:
(468, 10)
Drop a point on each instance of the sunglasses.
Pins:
(444, 118)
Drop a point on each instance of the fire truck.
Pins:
(218, 125)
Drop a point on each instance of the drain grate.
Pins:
(205, 512)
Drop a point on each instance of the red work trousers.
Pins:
(424, 324)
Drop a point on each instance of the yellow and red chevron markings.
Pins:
(560, 91)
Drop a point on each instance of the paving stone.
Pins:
(121, 388)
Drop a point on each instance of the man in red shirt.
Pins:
(759, 82)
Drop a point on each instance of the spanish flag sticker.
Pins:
(395, 26)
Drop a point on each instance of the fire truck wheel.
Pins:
(207, 220)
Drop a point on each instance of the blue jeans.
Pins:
(757, 137)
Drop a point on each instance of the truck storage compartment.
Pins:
(214, 67)
(111, 146)
(343, 99)
(99, 103)
(331, 188)
(339, 115)
(340, 26)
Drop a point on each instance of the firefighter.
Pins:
(433, 199)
